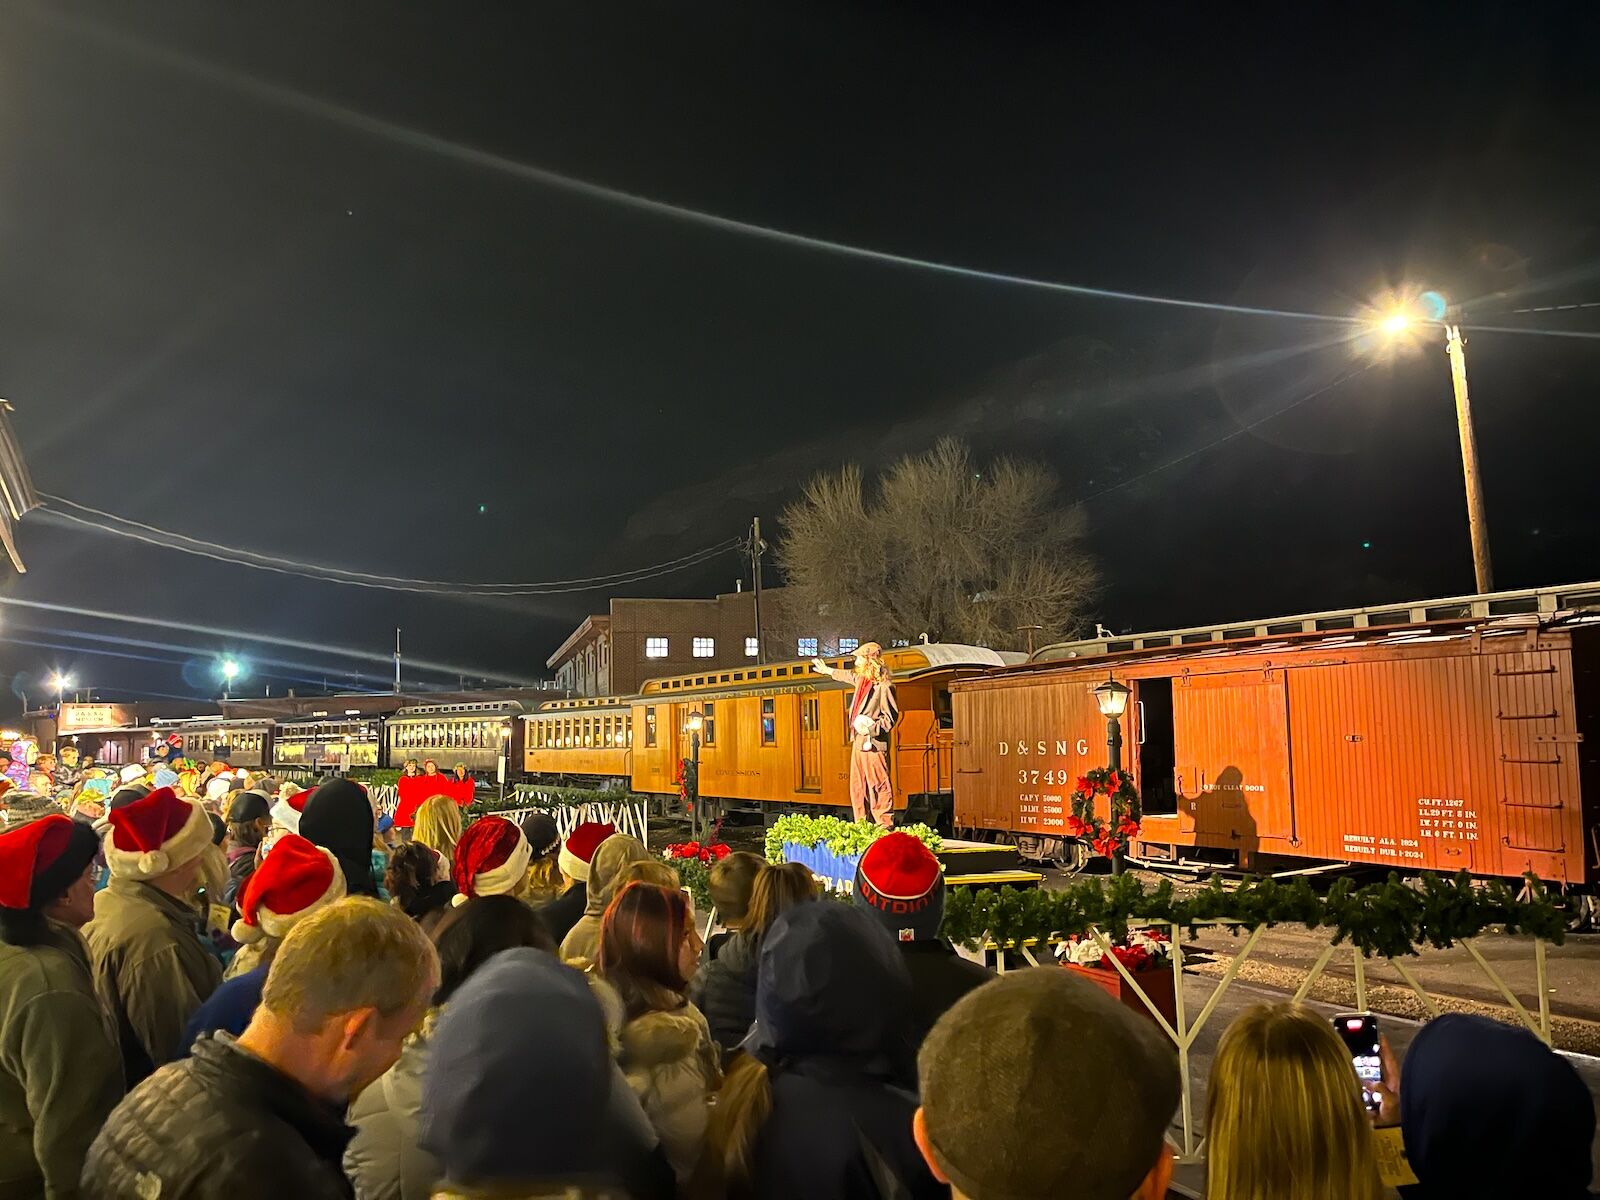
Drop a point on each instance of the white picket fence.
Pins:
(629, 817)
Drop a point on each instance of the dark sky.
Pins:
(232, 309)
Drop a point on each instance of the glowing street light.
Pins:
(230, 672)
(1112, 699)
(1398, 320)
(61, 683)
(691, 774)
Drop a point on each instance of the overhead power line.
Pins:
(153, 535)
(316, 107)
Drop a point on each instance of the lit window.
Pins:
(808, 647)
(769, 721)
(848, 645)
(709, 717)
(705, 647)
(752, 648)
(655, 647)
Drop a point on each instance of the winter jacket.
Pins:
(60, 1074)
(725, 990)
(220, 1125)
(582, 944)
(385, 1162)
(151, 971)
(228, 1010)
(840, 1132)
(939, 977)
(673, 1067)
(562, 913)
(832, 1006)
(241, 865)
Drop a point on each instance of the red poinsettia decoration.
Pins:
(706, 852)
(1109, 836)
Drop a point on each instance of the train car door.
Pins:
(810, 744)
(1535, 762)
(1231, 758)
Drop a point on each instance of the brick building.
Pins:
(613, 653)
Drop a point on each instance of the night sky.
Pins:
(240, 301)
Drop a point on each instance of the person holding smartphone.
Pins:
(1284, 1115)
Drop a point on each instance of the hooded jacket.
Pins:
(832, 1005)
(220, 1125)
(60, 1074)
(1490, 1111)
(385, 1160)
(338, 817)
(617, 851)
(151, 971)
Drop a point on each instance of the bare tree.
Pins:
(943, 548)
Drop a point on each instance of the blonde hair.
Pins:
(356, 953)
(438, 825)
(1284, 1119)
(778, 887)
(646, 870)
(545, 881)
(741, 1111)
(730, 884)
(873, 666)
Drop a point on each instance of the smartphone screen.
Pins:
(1360, 1034)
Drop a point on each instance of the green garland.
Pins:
(840, 836)
(1387, 919)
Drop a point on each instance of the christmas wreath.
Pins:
(1107, 837)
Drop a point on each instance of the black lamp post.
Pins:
(1112, 697)
(691, 779)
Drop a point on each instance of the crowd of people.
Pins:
(266, 993)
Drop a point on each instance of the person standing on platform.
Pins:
(873, 713)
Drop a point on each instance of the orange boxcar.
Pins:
(1459, 745)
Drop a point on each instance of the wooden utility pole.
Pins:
(757, 547)
(1477, 521)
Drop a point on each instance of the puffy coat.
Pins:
(60, 1073)
(241, 865)
(939, 977)
(833, 1005)
(673, 1067)
(220, 1125)
(725, 990)
(151, 971)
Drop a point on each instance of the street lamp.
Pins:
(1400, 321)
(1112, 697)
(61, 683)
(691, 776)
(230, 670)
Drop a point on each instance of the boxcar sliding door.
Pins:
(1231, 760)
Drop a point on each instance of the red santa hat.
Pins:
(42, 859)
(580, 846)
(491, 859)
(156, 834)
(294, 881)
(290, 806)
(900, 882)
